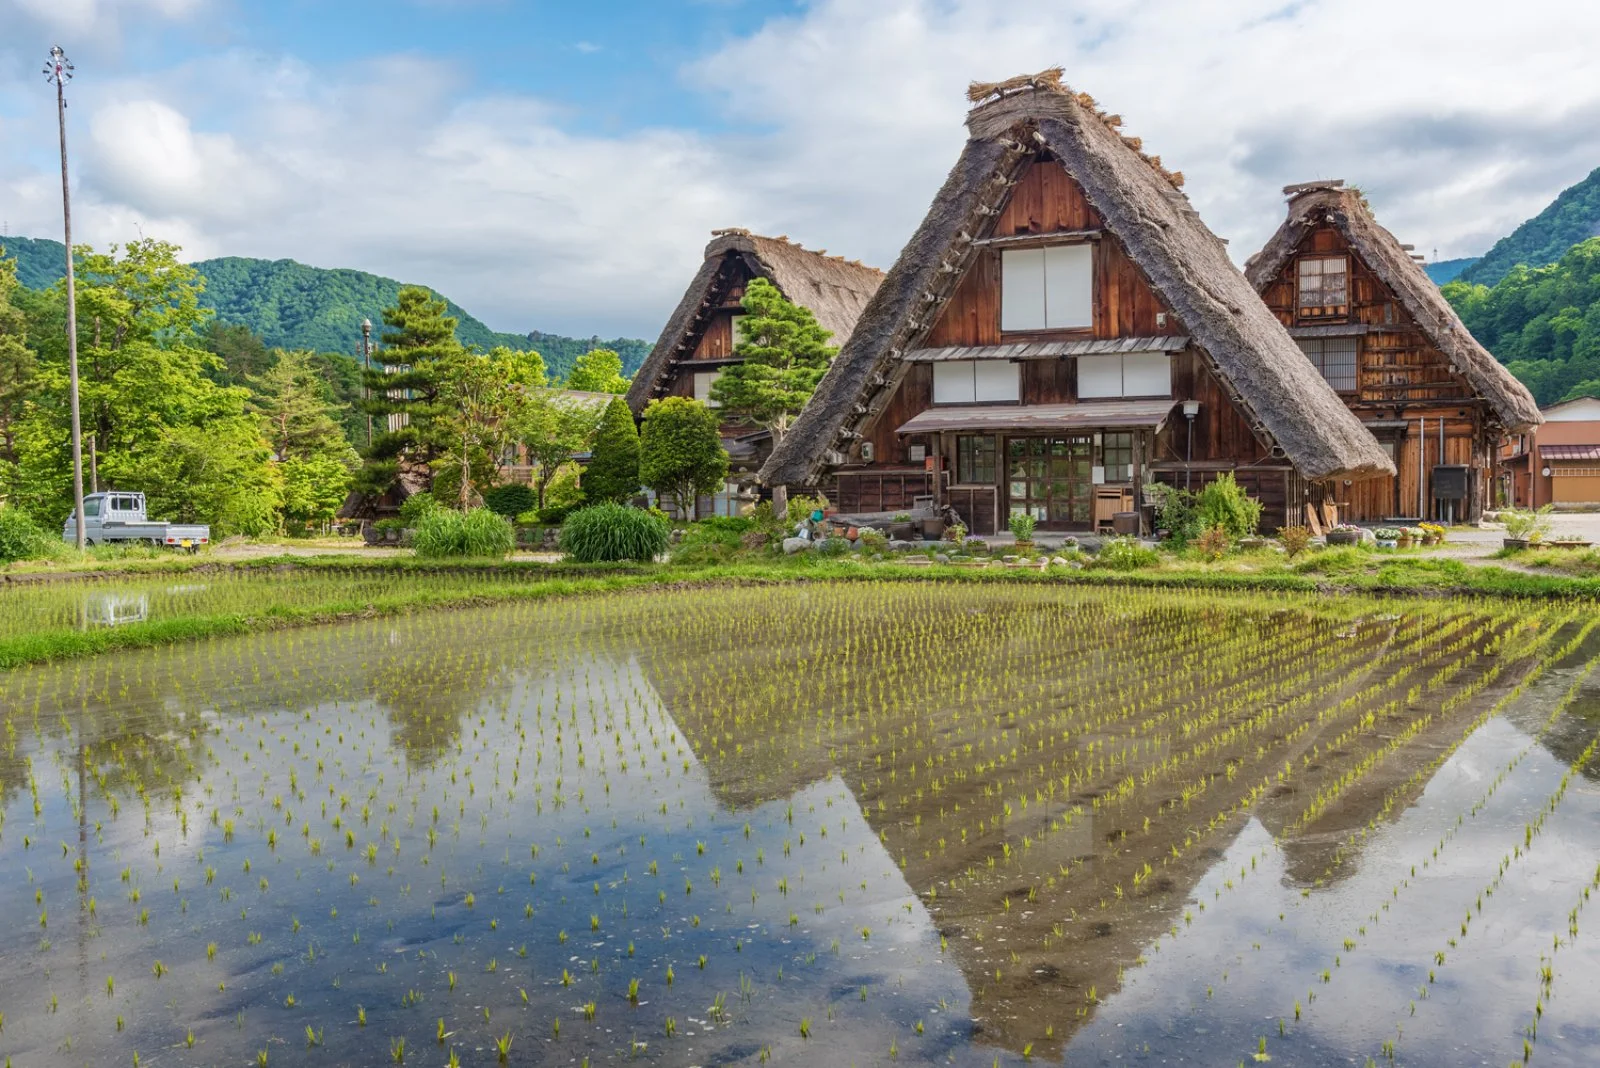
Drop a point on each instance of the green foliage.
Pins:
(1572, 217)
(511, 500)
(406, 381)
(713, 540)
(1176, 512)
(598, 371)
(1295, 539)
(1021, 526)
(1543, 323)
(800, 508)
(785, 354)
(1223, 503)
(610, 532)
(553, 426)
(18, 370)
(613, 471)
(20, 536)
(1125, 554)
(681, 453)
(1532, 526)
(313, 490)
(1442, 271)
(217, 474)
(1214, 542)
(481, 406)
(416, 506)
(445, 532)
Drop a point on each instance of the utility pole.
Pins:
(59, 72)
(366, 365)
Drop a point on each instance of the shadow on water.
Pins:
(951, 823)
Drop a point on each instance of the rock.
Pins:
(940, 558)
(1059, 561)
(898, 546)
(795, 545)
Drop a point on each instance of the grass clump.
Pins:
(479, 533)
(608, 532)
(20, 537)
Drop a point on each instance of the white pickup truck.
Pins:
(109, 517)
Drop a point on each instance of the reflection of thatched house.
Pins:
(1061, 329)
(700, 337)
(1383, 336)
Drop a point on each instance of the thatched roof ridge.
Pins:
(833, 288)
(1312, 203)
(1278, 390)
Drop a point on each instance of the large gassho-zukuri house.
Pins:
(700, 337)
(1381, 334)
(1061, 330)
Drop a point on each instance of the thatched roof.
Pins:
(1313, 203)
(1284, 398)
(836, 290)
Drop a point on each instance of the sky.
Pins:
(559, 166)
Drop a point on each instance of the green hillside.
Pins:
(1448, 270)
(1572, 217)
(293, 306)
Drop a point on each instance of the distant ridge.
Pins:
(294, 306)
(1448, 270)
(1573, 216)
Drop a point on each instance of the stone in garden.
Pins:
(1059, 561)
(898, 546)
(940, 558)
(795, 545)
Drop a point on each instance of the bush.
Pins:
(1021, 525)
(1224, 503)
(714, 540)
(20, 537)
(415, 507)
(1295, 540)
(1527, 525)
(510, 500)
(1125, 554)
(446, 532)
(801, 507)
(1213, 543)
(1175, 512)
(613, 473)
(609, 532)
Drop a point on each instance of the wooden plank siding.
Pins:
(1400, 376)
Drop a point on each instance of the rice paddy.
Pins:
(858, 823)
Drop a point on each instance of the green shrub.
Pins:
(1125, 554)
(613, 472)
(415, 507)
(834, 546)
(1224, 503)
(1176, 512)
(510, 500)
(445, 532)
(801, 507)
(20, 537)
(610, 532)
(1214, 542)
(1021, 526)
(713, 540)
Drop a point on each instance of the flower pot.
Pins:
(1343, 537)
(933, 529)
(1403, 542)
(1570, 543)
(1024, 545)
(1514, 543)
(1387, 543)
(902, 530)
(1431, 539)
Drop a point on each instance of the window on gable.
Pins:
(733, 327)
(1323, 287)
(976, 382)
(1047, 288)
(1334, 358)
(702, 388)
(1132, 374)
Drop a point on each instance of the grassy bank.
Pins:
(468, 583)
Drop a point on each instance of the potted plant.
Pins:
(901, 528)
(1388, 537)
(932, 528)
(1344, 534)
(1410, 536)
(1021, 525)
(1525, 527)
(1432, 533)
(956, 532)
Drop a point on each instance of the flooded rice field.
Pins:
(864, 823)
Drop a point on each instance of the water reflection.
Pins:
(110, 609)
(1047, 848)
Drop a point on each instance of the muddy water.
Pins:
(944, 825)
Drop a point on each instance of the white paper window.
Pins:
(702, 388)
(974, 381)
(733, 325)
(1022, 288)
(1099, 376)
(1047, 288)
(1136, 374)
(1068, 286)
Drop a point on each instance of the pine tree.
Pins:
(613, 472)
(403, 392)
(785, 353)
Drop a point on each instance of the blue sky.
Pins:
(558, 166)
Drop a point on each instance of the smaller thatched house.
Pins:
(1360, 305)
(700, 337)
(1060, 331)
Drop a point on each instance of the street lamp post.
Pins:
(366, 365)
(59, 71)
(1191, 408)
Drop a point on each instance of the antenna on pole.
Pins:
(58, 71)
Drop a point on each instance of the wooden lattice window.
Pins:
(1323, 287)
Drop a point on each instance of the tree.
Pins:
(785, 353)
(217, 474)
(553, 426)
(680, 451)
(315, 461)
(17, 370)
(598, 371)
(613, 471)
(480, 403)
(240, 349)
(403, 391)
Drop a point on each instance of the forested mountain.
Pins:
(1572, 217)
(293, 306)
(1543, 323)
(1448, 270)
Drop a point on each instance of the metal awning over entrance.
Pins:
(1570, 452)
(1043, 418)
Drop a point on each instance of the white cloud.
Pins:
(1459, 120)
(97, 19)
